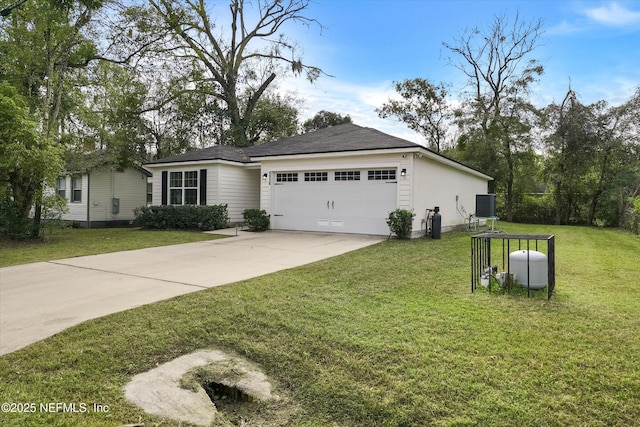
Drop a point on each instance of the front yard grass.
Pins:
(61, 243)
(389, 335)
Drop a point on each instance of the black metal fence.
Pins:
(484, 257)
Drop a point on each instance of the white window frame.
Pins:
(382, 175)
(346, 176)
(316, 176)
(61, 186)
(76, 189)
(287, 177)
(182, 183)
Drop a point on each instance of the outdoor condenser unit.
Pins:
(485, 205)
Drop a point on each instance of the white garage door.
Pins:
(347, 201)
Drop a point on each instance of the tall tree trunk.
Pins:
(37, 219)
(557, 195)
(509, 158)
(595, 198)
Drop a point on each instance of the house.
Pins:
(102, 194)
(344, 178)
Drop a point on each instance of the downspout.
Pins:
(88, 199)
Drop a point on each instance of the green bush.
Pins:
(172, 217)
(16, 226)
(400, 223)
(535, 209)
(13, 224)
(256, 219)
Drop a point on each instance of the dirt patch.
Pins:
(211, 388)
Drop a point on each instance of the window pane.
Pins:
(76, 189)
(347, 176)
(191, 179)
(190, 196)
(61, 186)
(175, 179)
(286, 177)
(175, 196)
(315, 176)
(382, 175)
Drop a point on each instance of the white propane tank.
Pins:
(537, 278)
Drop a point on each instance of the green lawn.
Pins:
(389, 335)
(72, 242)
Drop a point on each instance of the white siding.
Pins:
(436, 184)
(77, 210)
(213, 187)
(239, 188)
(428, 182)
(156, 189)
(405, 190)
(236, 185)
(99, 199)
(130, 186)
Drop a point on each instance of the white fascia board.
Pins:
(336, 154)
(414, 150)
(203, 163)
(453, 164)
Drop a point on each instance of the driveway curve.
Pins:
(41, 299)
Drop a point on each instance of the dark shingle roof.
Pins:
(217, 152)
(346, 137)
(334, 139)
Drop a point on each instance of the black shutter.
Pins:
(203, 186)
(165, 186)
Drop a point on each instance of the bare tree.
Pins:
(499, 71)
(236, 64)
(495, 62)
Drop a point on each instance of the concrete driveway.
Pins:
(41, 299)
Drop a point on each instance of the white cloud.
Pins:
(565, 27)
(356, 100)
(613, 14)
(616, 91)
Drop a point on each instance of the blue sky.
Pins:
(368, 44)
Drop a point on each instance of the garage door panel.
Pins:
(364, 207)
(336, 206)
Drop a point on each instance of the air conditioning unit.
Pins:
(485, 205)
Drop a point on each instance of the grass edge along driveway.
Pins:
(73, 242)
(388, 335)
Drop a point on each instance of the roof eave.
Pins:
(199, 162)
(454, 164)
(337, 153)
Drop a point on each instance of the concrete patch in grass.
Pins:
(210, 387)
